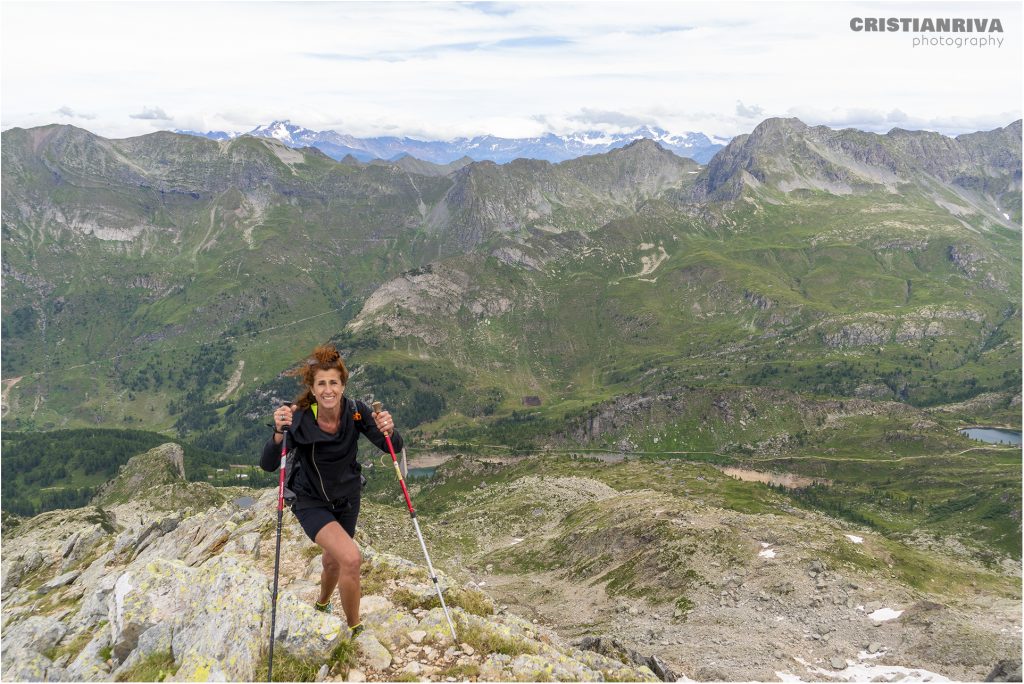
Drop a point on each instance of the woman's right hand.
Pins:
(282, 420)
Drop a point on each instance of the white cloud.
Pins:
(151, 114)
(443, 69)
(70, 113)
(751, 112)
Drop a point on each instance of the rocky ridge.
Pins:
(724, 592)
(102, 594)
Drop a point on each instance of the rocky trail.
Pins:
(173, 581)
(791, 597)
(147, 589)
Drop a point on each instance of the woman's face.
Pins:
(328, 388)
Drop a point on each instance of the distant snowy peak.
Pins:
(212, 135)
(286, 132)
(549, 147)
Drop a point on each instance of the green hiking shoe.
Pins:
(353, 632)
(323, 607)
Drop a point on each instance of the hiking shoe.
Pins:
(323, 607)
(353, 632)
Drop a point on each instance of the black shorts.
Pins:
(314, 519)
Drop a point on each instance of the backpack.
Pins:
(293, 461)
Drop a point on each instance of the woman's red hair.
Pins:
(324, 357)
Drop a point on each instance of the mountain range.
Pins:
(601, 361)
(549, 147)
(808, 291)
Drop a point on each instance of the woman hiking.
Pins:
(324, 427)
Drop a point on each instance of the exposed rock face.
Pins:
(163, 465)
(880, 329)
(787, 155)
(88, 599)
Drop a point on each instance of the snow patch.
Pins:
(855, 539)
(863, 672)
(767, 553)
(884, 614)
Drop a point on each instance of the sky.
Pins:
(440, 70)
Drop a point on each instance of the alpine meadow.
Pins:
(625, 378)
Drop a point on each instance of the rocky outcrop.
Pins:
(786, 155)
(90, 599)
(876, 329)
(163, 465)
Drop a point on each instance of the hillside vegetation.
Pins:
(828, 303)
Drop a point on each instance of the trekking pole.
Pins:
(377, 407)
(277, 552)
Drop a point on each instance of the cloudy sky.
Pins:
(441, 70)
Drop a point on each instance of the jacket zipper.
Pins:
(313, 459)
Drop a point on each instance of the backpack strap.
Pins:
(356, 415)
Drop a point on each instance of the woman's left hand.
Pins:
(384, 422)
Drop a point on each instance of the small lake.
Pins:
(787, 480)
(422, 473)
(993, 435)
(245, 502)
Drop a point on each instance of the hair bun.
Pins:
(325, 354)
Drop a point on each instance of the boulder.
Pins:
(58, 582)
(1005, 671)
(81, 544)
(215, 613)
(32, 667)
(435, 629)
(15, 569)
(372, 653)
(37, 633)
(374, 604)
(305, 632)
(391, 629)
(89, 664)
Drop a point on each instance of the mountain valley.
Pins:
(585, 347)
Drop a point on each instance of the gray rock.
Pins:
(838, 663)
(1005, 671)
(58, 582)
(305, 632)
(413, 668)
(83, 544)
(97, 591)
(612, 648)
(374, 604)
(156, 639)
(16, 569)
(372, 652)
(874, 647)
(391, 629)
(89, 665)
(248, 545)
(28, 666)
(493, 668)
(209, 609)
(38, 633)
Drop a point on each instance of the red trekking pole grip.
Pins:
(377, 408)
(280, 479)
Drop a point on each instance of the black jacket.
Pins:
(328, 470)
